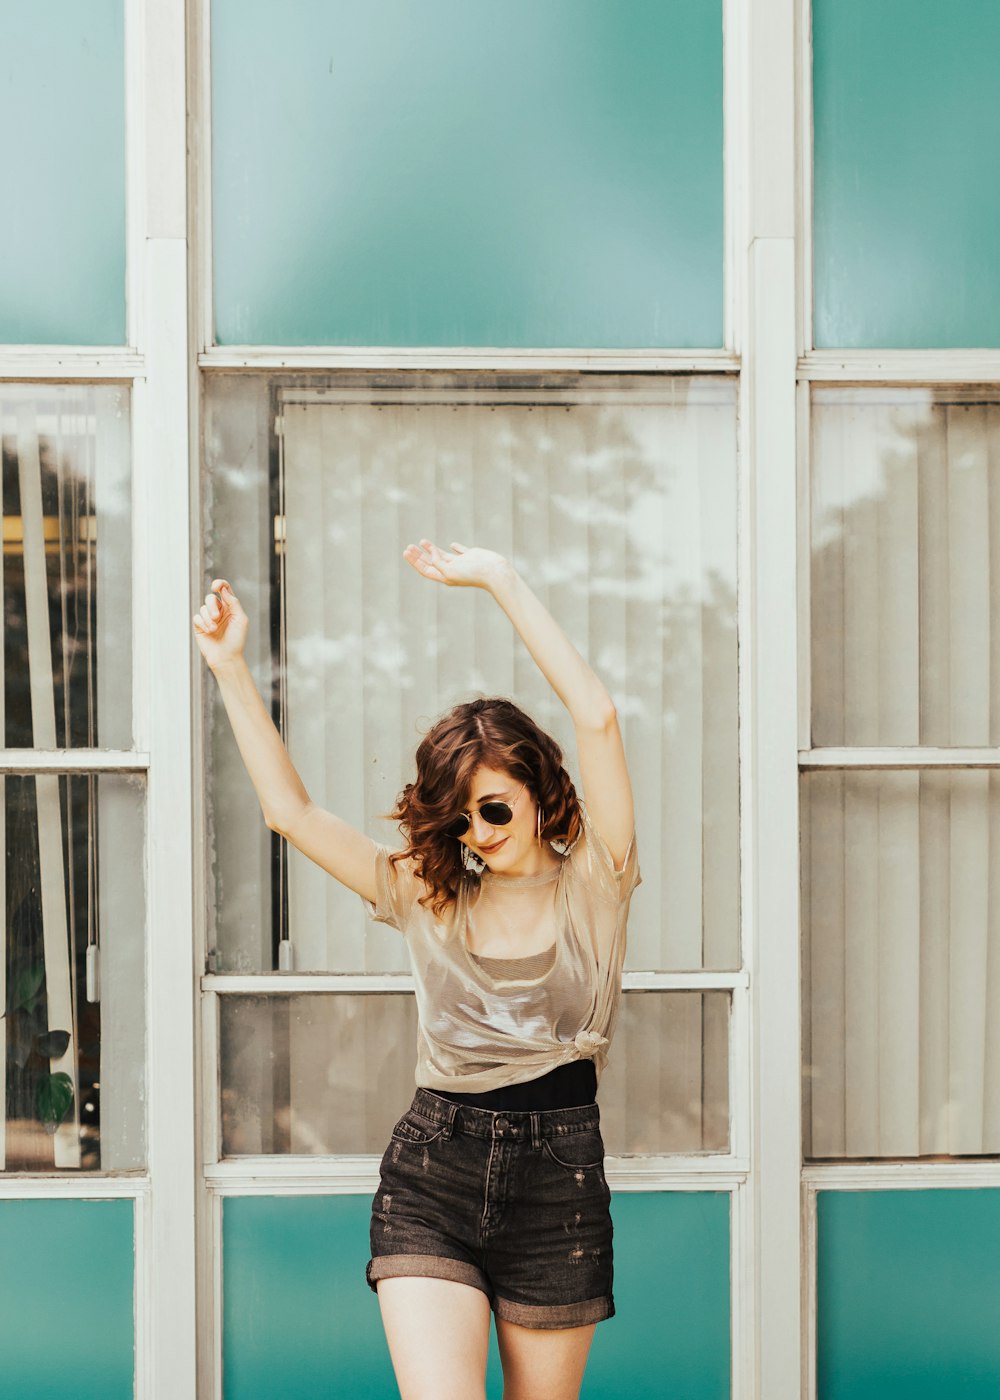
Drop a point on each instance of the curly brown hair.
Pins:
(495, 732)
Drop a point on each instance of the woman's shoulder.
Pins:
(589, 859)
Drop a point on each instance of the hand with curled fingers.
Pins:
(221, 626)
(461, 566)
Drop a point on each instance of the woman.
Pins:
(513, 898)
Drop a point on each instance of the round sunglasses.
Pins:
(493, 813)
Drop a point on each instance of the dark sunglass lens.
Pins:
(496, 813)
(458, 827)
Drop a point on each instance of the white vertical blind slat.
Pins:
(968, 925)
(898, 917)
(827, 452)
(935, 1000)
(861, 955)
(827, 1059)
(863, 483)
(992, 412)
(934, 583)
(969, 570)
(55, 921)
(991, 1073)
(309, 625)
(898, 617)
(720, 752)
(683, 797)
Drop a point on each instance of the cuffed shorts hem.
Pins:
(556, 1314)
(425, 1266)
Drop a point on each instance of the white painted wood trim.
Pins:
(211, 1112)
(200, 173)
(292, 1176)
(73, 761)
(293, 983)
(741, 1270)
(297, 358)
(803, 613)
(135, 172)
(66, 363)
(901, 366)
(809, 1295)
(144, 1285)
(769, 425)
(899, 758)
(902, 1176)
(734, 147)
(77, 1186)
(163, 461)
(804, 177)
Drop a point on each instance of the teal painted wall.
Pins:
(66, 1300)
(906, 111)
(543, 172)
(301, 1322)
(62, 113)
(909, 1295)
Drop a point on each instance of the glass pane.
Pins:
(908, 1294)
(901, 963)
(618, 500)
(666, 1087)
(457, 174)
(62, 242)
(66, 583)
(330, 1072)
(68, 1282)
(905, 567)
(906, 205)
(73, 970)
(315, 1073)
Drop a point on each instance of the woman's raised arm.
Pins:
(603, 770)
(349, 855)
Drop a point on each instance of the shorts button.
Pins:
(502, 1125)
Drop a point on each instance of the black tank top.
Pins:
(566, 1086)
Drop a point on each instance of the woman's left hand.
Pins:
(460, 566)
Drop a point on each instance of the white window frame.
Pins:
(154, 363)
(730, 1172)
(912, 368)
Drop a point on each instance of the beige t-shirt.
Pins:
(483, 1026)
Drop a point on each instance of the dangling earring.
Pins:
(470, 861)
(538, 827)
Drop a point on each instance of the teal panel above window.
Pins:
(908, 1295)
(300, 1321)
(542, 173)
(906, 111)
(66, 1300)
(62, 237)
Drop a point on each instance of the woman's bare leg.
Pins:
(542, 1363)
(438, 1333)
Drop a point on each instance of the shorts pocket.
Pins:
(412, 1128)
(576, 1151)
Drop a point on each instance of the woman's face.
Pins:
(503, 848)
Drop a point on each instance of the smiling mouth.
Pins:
(488, 850)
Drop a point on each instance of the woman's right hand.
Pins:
(221, 627)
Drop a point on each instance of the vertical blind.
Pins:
(900, 911)
(620, 509)
(905, 488)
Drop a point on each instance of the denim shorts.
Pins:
(512, 1203)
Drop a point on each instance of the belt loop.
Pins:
(449, 1126)
(536, 1131)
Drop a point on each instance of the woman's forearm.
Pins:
(279, 788)
(577, 685)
